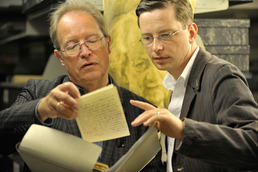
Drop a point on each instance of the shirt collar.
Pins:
(83, 91)
(170, 82)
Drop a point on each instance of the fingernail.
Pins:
(133, 123)
(145, 124)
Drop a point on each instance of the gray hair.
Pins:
(74, 5)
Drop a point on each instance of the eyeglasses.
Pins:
(75, 49)
(148, 40)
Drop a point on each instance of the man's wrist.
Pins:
(42, 119)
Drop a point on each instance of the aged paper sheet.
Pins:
(101, 116)
(46, 149)
(140, 154)
(67, 153)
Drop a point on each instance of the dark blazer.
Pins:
(221, 131)
(15, 121)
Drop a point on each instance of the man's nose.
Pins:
(85, 50)
(157, 44)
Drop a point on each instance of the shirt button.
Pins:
(180, 169)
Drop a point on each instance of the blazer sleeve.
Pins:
(15, 120)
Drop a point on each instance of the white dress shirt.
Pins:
(178, 88)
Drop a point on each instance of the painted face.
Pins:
(167, 42)
(90, 64)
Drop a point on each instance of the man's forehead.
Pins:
(87, 25)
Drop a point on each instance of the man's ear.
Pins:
(193, 30)
(59, 56)
(108, 43)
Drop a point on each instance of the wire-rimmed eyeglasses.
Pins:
(75, 49)
(147, 40)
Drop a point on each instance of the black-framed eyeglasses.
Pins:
(75, 49)
(147, 40)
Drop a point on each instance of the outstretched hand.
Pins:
(165, 121)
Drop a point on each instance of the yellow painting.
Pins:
(130, 65)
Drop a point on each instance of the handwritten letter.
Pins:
(101, 116)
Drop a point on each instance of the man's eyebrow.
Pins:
(166, 30)
(76, 40)
(146, 34)
(91, 35)
(159, 32)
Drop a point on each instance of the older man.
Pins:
(82, 45)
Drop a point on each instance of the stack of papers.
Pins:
(101, 117)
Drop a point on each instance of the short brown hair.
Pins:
(183, 9)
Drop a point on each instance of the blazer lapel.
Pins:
(193, 85)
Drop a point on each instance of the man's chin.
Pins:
(160, 67)
(92, 76)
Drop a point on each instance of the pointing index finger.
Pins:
(142, 105)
